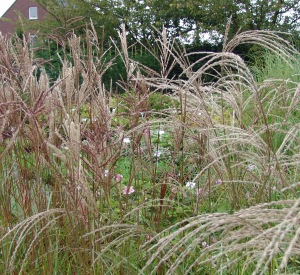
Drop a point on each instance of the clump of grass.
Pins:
(102, 183)
(256, 239)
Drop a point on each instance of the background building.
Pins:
(26, 9)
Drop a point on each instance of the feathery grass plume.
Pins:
(43, 162)
(215, 172)
(26, 238)
(253, 239)
(248, 142)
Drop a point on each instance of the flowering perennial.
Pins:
(118, 177)
(128, 190)
(190, 185)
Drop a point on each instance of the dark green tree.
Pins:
(185, 20)
(180, 17)
(73, 16)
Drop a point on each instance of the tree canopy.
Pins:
(181, 17)
(186, 20)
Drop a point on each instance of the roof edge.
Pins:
(3, 15)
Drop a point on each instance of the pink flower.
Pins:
(128, 190)
(199, 192)
(218, 181)
(118, 177)
(106, 173)
(204, 244)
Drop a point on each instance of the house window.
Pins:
(33, 13)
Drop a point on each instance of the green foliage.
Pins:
(160, 102)
(181, 18)
(66, 17)
(117, 72)
(51, 53)
(286, 78)
(269, 66)
(203, 179)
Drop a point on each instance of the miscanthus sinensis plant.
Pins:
(98, 183)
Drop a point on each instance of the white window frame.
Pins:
(33, 13)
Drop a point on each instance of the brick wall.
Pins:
(8, 27)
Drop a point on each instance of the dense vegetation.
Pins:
(199, 25)
(131, 153)
(197, 174)
(178, 16)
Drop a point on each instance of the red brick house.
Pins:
(27, 9)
